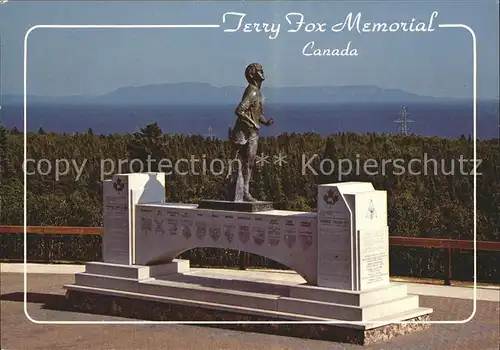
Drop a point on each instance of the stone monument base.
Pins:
(248, 207)
(170, 292)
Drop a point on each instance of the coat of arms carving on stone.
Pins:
(214, 232)
(331, 197)
(159, 227)
(244, 233)
(201, 229)
(371, 213)
(146, 225)
(259, 235)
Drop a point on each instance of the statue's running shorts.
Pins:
(242, 137)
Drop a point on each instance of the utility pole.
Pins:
(403, 121)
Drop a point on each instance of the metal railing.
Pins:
(430, 243)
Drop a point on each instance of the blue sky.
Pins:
(90, 61)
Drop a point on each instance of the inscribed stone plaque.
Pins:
(306, 233)
(159, 222)
(274, 231)
(374, 257)
(144, 216)
(116, 222)
(173, 224)
(371, 209)
(334, 240)
(290, 236)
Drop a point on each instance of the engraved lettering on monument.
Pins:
(290, 232)
(116, 221)
(146, 225)
(173, 222)
(374, 256)
(244, 224)
(274, 232)
(145, 222)
(334, 237)
(244, 135)
(306, 233)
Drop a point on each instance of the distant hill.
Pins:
(203, 93)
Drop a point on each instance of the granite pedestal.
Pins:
(250, 207)
(341, 251)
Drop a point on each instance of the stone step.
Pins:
(337, 296)
(179, 290)
(300, 316)
(106, 282)
(279, 303)
(138, 272)
(347, 312)
(117, 270)
(397, 317)
(201, 304)
(209, 294)
(388, 308)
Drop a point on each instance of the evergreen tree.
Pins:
(3, 153)
(3, 143)
(149, 143)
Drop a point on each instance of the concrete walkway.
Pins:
(482, 293)
(46, 303)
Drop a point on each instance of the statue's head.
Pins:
(254, 72)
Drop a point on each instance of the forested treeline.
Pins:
(436, 204)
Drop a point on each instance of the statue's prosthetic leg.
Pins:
(248, 162)
(241, 164)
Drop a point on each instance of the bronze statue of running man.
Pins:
(245, 133)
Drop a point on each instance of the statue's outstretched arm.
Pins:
(265, 121)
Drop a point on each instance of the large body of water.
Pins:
(443, 120)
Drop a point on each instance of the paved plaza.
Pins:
(46, 302)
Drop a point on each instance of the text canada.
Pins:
(310, 49)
